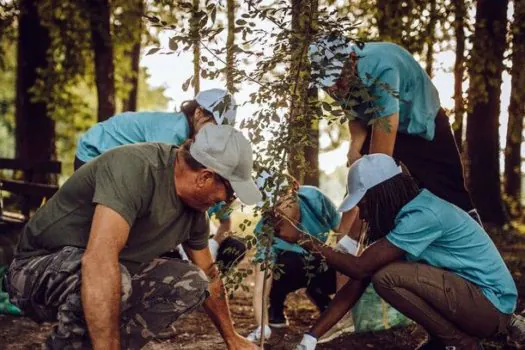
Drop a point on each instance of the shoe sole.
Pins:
(336, 334)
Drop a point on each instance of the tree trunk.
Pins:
(230, 47)
(35, 130)
(131, 102)
(195, 34)
(484, 93)
(516, 112)
(99, 16)
(459, 72)
(303, 161)
(389, 23)
(431, 30)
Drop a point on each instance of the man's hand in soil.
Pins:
(238, 342)
(216, 305)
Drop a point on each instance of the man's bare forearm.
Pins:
(101, 301)
(216, 306)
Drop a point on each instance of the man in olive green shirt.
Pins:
(90, 256)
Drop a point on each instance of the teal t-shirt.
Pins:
(220, 210)
(435, 231)
(318, 215)
(133, 127)
(386, 64)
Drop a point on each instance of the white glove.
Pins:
(347, 245)
(308, 343)
(214, 248)
(255, 336)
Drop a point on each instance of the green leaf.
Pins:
(240, 22)
(152, 51)
(173, 44)
(186, 84)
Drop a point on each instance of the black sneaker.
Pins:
(276, 318)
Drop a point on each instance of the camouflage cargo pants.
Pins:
(47, 288)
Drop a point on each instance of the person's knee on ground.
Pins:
(162, 292)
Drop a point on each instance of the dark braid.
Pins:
(383, 202)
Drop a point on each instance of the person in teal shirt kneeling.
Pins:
(426, 257)
(304, 208)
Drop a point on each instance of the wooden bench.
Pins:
(31, 192)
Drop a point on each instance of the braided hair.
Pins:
(382, 203)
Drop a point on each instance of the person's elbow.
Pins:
(361, 271)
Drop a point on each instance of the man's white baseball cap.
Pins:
(220, 103)
(367, 172)
(226, 151)
(327, 56)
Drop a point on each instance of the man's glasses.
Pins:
(230, 193)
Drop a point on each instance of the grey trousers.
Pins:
(47, 288)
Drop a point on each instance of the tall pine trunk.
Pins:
(303, 161)
(35, 130)
(484, 93)
(459, 71)
(516, 111)
(130, 104)
(99, 16)
(230, 46)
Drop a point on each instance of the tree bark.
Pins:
(431, 30)
(99, 16)
(516, 112)
(389, 23)
(131, 102)
(459, 71)
(195, 34)
(230, 47)
(485, 71)
(35, 130)
(303, 162)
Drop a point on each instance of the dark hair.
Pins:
(188, 108)
(382, 203)
(188, 158)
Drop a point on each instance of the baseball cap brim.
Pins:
(247, 191)
(351, 200)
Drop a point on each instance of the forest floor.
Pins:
(196, 331)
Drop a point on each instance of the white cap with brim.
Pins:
(220, 103)
(367, 172)
(226, 151)
(327, 57)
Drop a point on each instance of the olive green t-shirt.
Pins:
(137, 182)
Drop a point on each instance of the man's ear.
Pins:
(205, 178)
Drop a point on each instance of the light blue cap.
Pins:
(367, 172)
(327, 56)
(220, 103)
